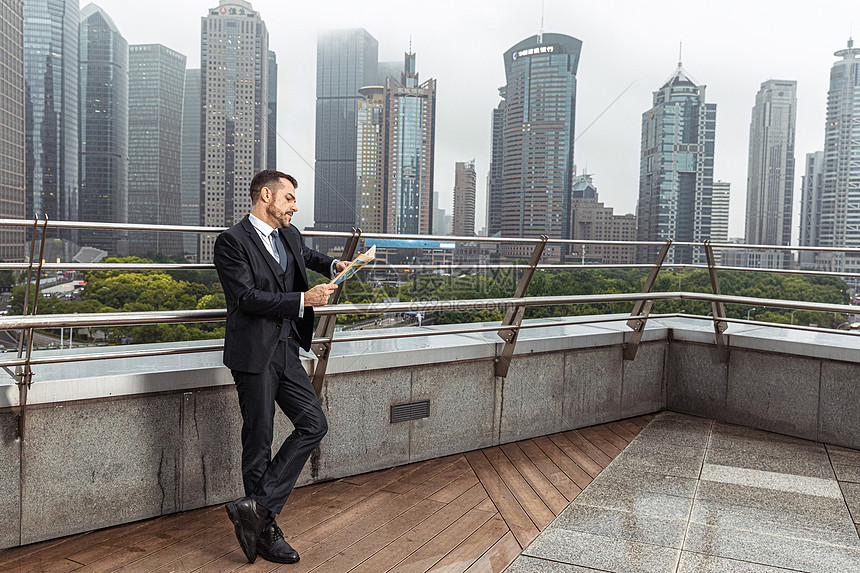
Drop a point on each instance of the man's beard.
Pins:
(275, 214)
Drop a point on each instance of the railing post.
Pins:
(639, 316)
(24, 373)
(514, 316)
(718, 309)
(325, 328)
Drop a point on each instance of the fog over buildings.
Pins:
(615, 78)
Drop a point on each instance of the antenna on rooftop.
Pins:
(542, 6)
(680, 52)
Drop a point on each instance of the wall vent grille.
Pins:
(409, 411)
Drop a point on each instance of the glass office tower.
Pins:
(104, 129)
(51, 108)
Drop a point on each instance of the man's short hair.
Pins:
(268, 178)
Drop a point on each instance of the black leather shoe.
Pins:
(272, 546)
(249, 519)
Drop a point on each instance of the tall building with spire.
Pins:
(770, 172)
(51, 108)
(104, 129)
(410, 135)
(12, 139)
(496, 170)
(839, 214)
(234, 86)
(539, 115)
(465, 183)
(676, 172)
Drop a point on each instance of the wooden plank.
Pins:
(590, 449)
(180, 548)
(630, 426)
(591, 467)
(349, 557)
(355, 530)
(465, 554)
(512, 512)
(199, 558)
(488, 505)
(639, 421)
(600, 442)
(622, 431)
(409, 481)
(547, 467)
(607, 434)
(412, 539)
(498, 557)
(527, 497)
(579, 476)
(554, 500)
(340, 520)
(456, 487)
(444, 543)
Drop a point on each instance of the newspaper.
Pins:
(359, 262)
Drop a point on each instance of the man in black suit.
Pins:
(261, 264)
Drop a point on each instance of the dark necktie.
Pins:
(279, 245)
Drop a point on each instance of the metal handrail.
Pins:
(165, 317)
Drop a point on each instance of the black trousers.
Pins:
(269, 481)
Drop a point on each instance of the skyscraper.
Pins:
(770, 175)
(537, 142)
(810, 206)
(12, 141)
(370, 158)
(410, 132)
(465, 183)
(190, 160)
(720, 212)
(496, 171)
(272, 116)
(346, 62)
(840, 196)
(104, 129)
(234, 61)
(51, 109)
(156, 80)
(676, 172)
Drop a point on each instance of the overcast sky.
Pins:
(730, 46)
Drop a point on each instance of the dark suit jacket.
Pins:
(260, 306)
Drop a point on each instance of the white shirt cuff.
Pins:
(301, 305)
(332, 271)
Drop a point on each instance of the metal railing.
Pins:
(508, 330)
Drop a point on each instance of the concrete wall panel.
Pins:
(531, 397)
(773, 392)
(696, 380)
(592, 386)
(462, 405)
(98, 464)
(839, 414)
(643, 383)
(10, 480)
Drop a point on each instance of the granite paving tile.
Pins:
(822, 526)
(603, 553)
(771, 480)
(798, 464)
(526, 564)
(846, 463)
(790, 553)
(644, 503)
(627, 525)
(647, 482)
(768, 500)
(698, 563)
(851, 491)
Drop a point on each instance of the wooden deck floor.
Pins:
(468, 512)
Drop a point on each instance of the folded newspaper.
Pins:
(359, 262)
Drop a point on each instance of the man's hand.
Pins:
(319, 294)
(340, 265)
